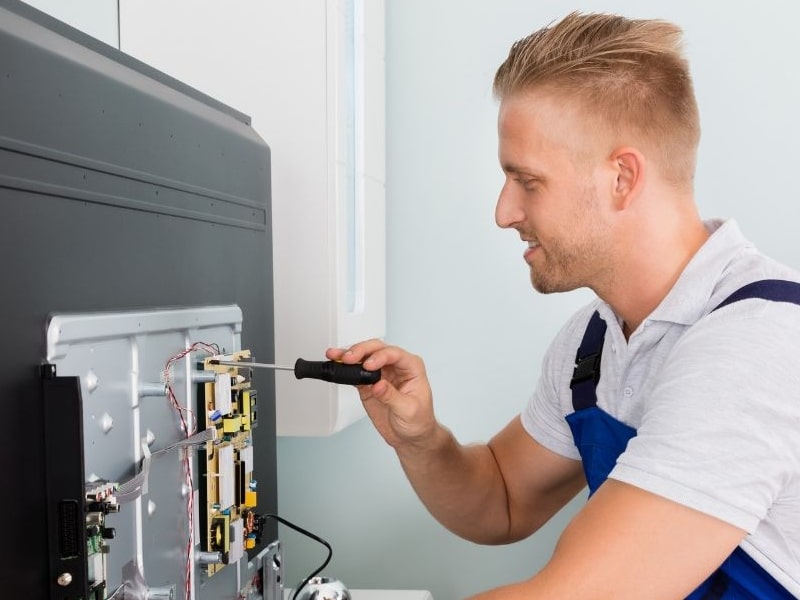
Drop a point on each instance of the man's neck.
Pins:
(651, 270)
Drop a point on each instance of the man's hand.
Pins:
(487, 493)
(400, 404)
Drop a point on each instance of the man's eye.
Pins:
(528, 184)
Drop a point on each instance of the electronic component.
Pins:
(100, 501)
(228, 525)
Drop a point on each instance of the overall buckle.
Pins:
(586, 368)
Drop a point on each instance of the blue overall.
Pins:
(601, 439)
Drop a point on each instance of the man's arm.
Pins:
(627, 543)
(489, 493)
(493, 493)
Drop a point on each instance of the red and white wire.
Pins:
(212, 349)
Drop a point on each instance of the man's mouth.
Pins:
(531, 247)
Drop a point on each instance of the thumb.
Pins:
(383, 391)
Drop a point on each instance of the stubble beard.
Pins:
(567, 263)
(556, 274)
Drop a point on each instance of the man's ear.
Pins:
(629, 166)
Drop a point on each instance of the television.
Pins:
(135, 216)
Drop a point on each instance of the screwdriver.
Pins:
(326, 370)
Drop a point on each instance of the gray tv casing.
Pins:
(120, 189)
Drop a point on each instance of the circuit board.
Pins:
(229, 525)
(101, 501)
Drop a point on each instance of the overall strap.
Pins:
(777, 290)
(587, 364)
(587, 360)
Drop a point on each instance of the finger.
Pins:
(355, 352)
(399, 415)
(335, 353)
(374, 354)
(359, 351)
(402, 361)
(378, 390)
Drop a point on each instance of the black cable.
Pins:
(313, 537)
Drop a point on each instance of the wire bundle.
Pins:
(212, 349)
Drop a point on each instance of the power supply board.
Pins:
(229, 524)
(151, 460)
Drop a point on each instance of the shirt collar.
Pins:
(689, 298)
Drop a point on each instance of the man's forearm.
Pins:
(461, 486)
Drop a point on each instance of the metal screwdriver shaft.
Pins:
(245, 363)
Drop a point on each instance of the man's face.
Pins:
(551, 193)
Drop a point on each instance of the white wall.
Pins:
(98, 18)
(458, 291)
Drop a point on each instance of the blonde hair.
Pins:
(630, 75)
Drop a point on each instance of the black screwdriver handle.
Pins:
(335, 372)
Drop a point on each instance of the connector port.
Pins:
(69, 523)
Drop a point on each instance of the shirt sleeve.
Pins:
(544, 415)
(719, 429)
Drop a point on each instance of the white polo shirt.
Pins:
(715, 398)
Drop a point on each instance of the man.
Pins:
(683, 418)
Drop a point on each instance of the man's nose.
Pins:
(508, 211)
